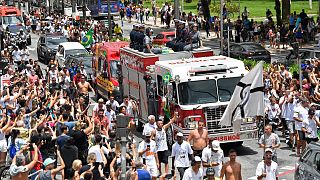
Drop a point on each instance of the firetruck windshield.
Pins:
(226, 87)
(205, 91)
(12, 20)
(198, 92)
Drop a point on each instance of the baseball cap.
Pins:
(100, 100)
(48, 161)
(268, 150)
(179, 134)
(215, 145)
(210, 171)
(311, 112)
(197, 159)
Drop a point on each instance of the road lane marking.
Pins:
(288, 167)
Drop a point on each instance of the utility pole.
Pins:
(62, 4)
(73, 5)
(221, 26)
(176, 9)
(84, 12)
(109, 20)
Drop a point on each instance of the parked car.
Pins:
(248, 50)
(163, 38)
(69, 48)
(305, 54)
(308, 165)
(47, 46)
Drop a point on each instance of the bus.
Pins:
(99, 8)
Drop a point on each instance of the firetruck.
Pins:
(197, 84)
(105, 63)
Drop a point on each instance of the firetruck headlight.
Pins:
(247, 120)
(191, 122)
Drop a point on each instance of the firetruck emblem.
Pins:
(167, 77)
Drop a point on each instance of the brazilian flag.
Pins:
(87, 39)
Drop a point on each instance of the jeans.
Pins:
(181, 171)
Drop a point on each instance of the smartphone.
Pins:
(102, 127)
(30, 147)
(96, 165)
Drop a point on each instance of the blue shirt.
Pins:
(73, 71)
(291, 20)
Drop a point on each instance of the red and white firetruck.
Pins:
(197, 84)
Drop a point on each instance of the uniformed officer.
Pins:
(147, 43)
(132, 33)
(140, 37)
(173, 41)
(194, 39)
(181, 39)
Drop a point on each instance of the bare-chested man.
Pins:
(200, 139)
(231, 169)
(84, 86)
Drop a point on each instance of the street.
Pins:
(249, 155)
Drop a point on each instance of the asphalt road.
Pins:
(249, 155)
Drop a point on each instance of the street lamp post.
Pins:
(109, 20)
(221, 26)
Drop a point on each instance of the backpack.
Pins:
(12, 150)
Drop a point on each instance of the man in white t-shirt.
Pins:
(96, 149)
(150, 126)
(195, 171)
(300, 114)
(212, 157)
(181, 150)
(287, 113)
(148, 151)
(273, 110)
(161, 142)
(113, 102)
(111, 115)
(309, 127)
(97, 106)
(128, 105)
(267, 168)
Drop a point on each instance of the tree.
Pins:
(285, 10)
(205, 8)
(278, 12)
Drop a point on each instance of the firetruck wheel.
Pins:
(170, 137)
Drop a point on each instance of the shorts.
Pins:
(3, 145)
(163, 156)
(301, 135)
(197, 153)
(290, 126)
(153, 170)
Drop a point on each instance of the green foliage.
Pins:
(119, 39)
(231, 7)
(249, 63)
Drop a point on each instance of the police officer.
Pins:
(173, 41)
(194, 39)
(147, 43)
(181, 39)
(140, 37)
(132, 36)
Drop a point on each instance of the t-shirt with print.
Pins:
(301, 113)
(209, 156)
(181, 153)
(149, 128)
(161, 140)
(271, 171)
(149, 156)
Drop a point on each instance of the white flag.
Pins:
(247, 99)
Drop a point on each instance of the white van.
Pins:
(69, 48)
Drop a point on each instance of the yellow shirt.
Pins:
(117, 30)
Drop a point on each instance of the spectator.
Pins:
(267, 163)
(270, 140)
(50, 172)
(69, 153)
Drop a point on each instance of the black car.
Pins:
(305, 54)
(248, 50)
(308, 166)
(48, 45)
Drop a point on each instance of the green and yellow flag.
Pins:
(87, 39)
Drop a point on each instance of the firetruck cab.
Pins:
(196, 84)
(105, 63)
(10, 15)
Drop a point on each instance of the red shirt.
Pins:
(104, 121)
(76, 79)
